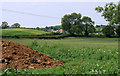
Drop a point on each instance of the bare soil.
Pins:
(20, 56)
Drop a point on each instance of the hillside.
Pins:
(21, 31)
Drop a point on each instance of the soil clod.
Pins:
(20, 56)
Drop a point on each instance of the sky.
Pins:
(42, 14)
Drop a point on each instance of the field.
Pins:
(20, 31)
(81, 55)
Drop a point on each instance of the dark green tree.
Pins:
(91, 29)
(51, 27)
(108, 30)
(119, 13)
(37, 28)
(4, 25)
(88, 25)
(118, 31)
(46, 27)
(16, 25)
(118, 28)
(69, 22)
(109, 12)
(78, 29)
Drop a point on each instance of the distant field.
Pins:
(20, 31)
(81, 55)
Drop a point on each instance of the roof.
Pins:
(60, 30)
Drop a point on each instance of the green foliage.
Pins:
(22, 31)
(70, 21)
(81, 55)
(119, 13)
(118, 31)
(108, 31)
(37, 28)
(99, 28)
(10, 71)
(109, 12)
(57, 27)
(4, 25)
(77, 29)
(15, 25)
(99, 9)
(73, 24)
(87, 60)
(88, 25)
(34, 43)
(92, 29)
(15, 72)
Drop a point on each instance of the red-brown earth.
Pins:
(20, 56)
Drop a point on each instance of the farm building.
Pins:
(61, 30)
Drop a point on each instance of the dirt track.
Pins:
(19, 56)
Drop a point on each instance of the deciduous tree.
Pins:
(16, 25)
(109, 12)
(69, 22)
(4, 25)
(88, 25)
(118, 30)
(108, 30)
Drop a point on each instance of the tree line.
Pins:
(74, 23)
(5, 25)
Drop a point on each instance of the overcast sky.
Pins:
(50, 13)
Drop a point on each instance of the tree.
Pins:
(37, 28)
(118, 31)
(108, 30)
(46, 27)
(16, 25)
(69, 21)
(78, 29)
(119, 13)
(109, 12)
(51, 27)
(4, 25)
(88, 25)
(91, 29)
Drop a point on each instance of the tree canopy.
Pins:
(118, 31)
(75, 24)
(108, 30)
(16, 25)
(4, 25)
(68, 21)
(109, 12)
(88, 25)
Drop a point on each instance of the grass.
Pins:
(81, 55)
(20, 31)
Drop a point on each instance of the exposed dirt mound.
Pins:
(19, 56)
